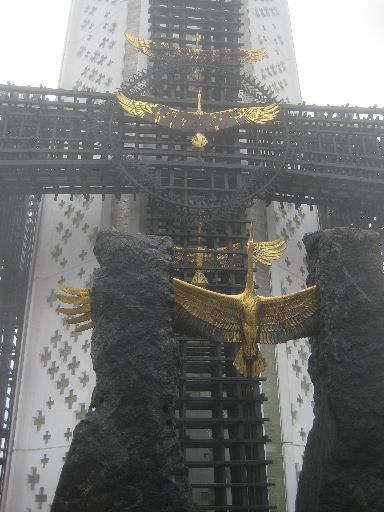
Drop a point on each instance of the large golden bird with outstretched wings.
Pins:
(196, 54)
(198, 121)
(248, 318)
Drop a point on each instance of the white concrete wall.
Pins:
(93, 59)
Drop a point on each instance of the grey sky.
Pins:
(338, 45)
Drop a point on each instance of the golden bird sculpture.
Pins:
(200, 256)
(245, 318)
(248, 318)
(195, 54)
(198, 121)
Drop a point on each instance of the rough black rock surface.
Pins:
(124, 455)
(343, 468)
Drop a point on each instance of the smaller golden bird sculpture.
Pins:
(195, 54)
(200, 256)
(80, 312)
(198, 121)
(246, 317)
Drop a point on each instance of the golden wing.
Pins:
(142, 45)
(221, 312)
(266, 252)
(287, 317)
(81, 312)
(197, 121)
(215, 121)
(149, 47)
(252, 56)
(154, 112)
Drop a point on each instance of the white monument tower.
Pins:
(56, 379)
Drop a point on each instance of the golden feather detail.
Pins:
(149, 48)
(198, 121)
(80, 314)
(248, 317)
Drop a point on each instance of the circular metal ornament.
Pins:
(142, 168)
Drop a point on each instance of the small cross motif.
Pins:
(305, 385)
(299, 400)
(62, 203)
(33, 478)
(298, 471)
(303, 355)
(44, 460)
(39, 420)
(61, 280)
(40, 498)
(49, 403)
(73, 365)
(67, 235)
(56, 338)
(47, 436)
(283, 288)
(82, 255)
(297, 369)
(284, 235)
(289, 279)
(299, 245)
(51, 297)
(62, 383)
(52, 370)
(84, 379)
(81, 413)
(68, 212)
(65, 351)
(75, 335)
(63, 262)
(81, 272)
(288, 262)
(57, 253)
(68, 434)
(59, 228)
(70, 399)
(302, 434)
(85, 346)
(77, 218)
(45, 356)
(89, 282)
(93, 234)
(296, 220)
(302, 270)
(85, 227)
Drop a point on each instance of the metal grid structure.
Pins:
(18, 216)
(55, 142)
(50, 143)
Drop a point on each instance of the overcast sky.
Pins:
(339, 46)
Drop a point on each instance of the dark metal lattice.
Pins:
(18, 216)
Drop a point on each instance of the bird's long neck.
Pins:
(199, 102)
(249, 284)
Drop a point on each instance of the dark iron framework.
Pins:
(55, 142)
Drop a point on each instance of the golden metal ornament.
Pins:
(249, 317)
(199, 140)
(263, 252)
(196, 54)
(199, 121)
(80, 314)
